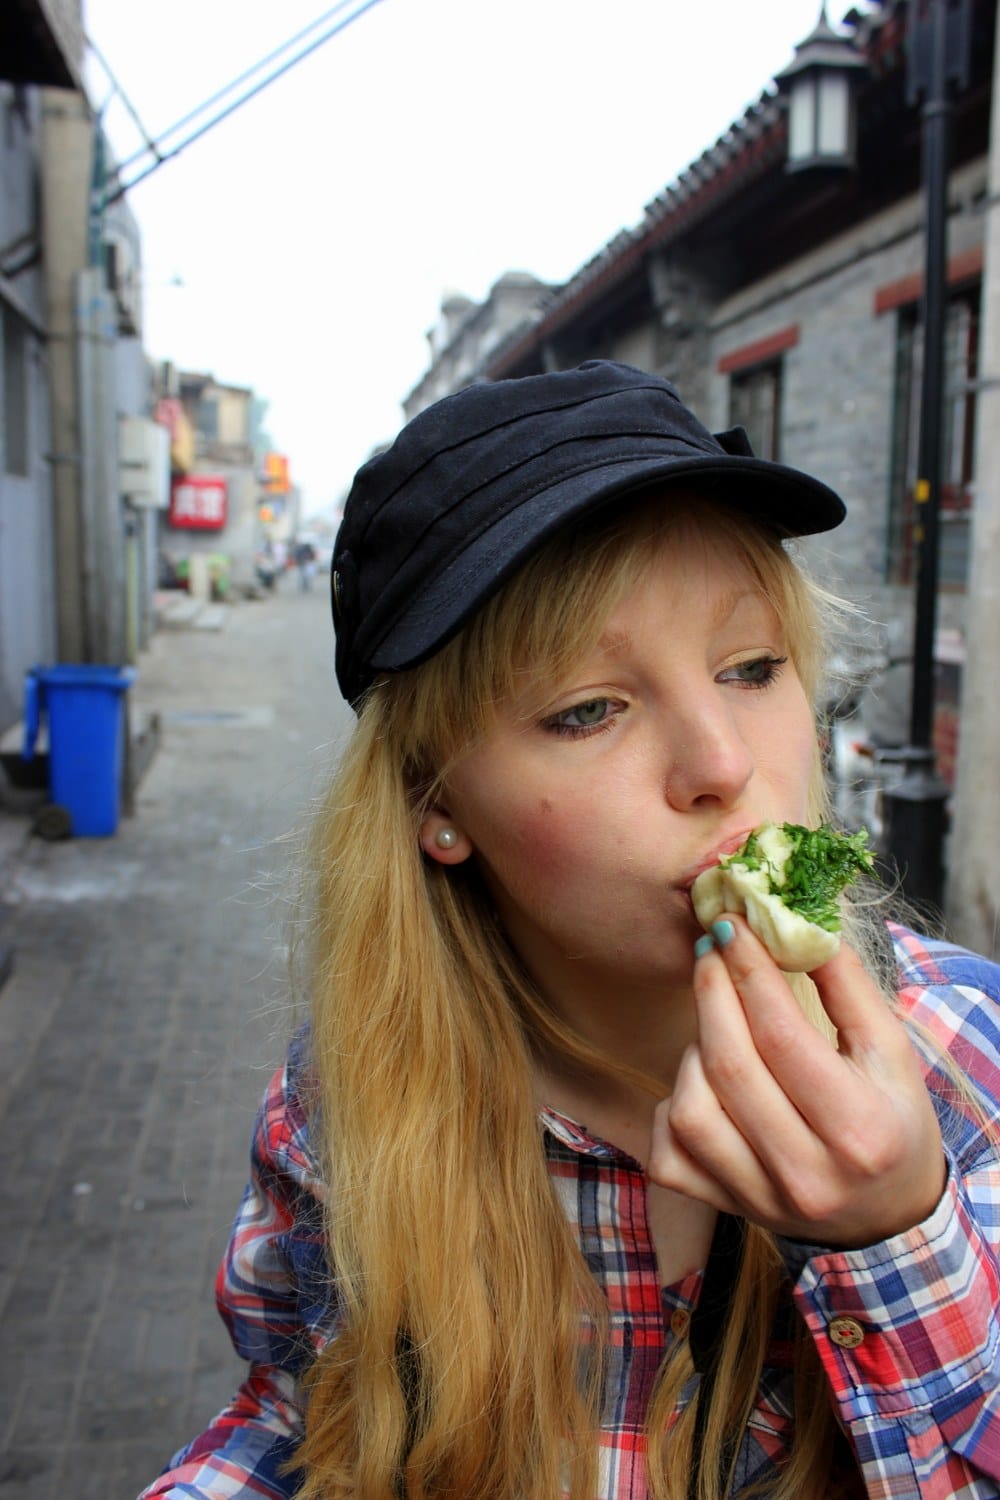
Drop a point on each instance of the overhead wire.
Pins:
(234, 83)
(154, 147)
(117, 89)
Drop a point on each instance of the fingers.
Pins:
(775, 1070)
(757, 1073)
(693, 1117)
(857, 1008)
(842, 1146)
(809, 1071)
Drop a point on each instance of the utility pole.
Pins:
(974, 877)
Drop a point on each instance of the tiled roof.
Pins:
(749, 148)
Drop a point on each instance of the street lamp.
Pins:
(819, 86)
(938, 49)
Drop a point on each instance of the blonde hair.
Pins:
(467, 1359)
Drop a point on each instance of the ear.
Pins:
(453, 848)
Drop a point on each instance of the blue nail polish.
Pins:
(723, 932)
(704, 945)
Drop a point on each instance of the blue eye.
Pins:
(586, 715)
(761, 672)
(582, 718)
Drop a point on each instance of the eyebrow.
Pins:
(618, 642)
(729, 603)
(615, 642)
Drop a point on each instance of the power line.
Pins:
(121, 188)
(116, 86)
(229, 87)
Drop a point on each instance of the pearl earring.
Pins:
(446, 838)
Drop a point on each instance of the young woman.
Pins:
(557, 1194)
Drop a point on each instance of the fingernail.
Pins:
(723, 932)
(704, 945)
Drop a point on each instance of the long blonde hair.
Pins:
(467, 1357)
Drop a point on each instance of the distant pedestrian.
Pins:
(265, 565)
(305, 561)
(476, 1258)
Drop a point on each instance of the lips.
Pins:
(727, 846)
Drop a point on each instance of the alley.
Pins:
(148, 1002)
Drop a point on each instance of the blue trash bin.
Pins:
(85, 707)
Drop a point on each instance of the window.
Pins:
(208, 418)
(961, 358)
(14, 112)
(755, 403)
(14, 392)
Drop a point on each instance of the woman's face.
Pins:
(685, 728)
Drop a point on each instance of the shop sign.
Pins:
(198, 503)
(275, 477)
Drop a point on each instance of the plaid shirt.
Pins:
(919, 1394)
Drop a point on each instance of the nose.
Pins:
(709, 759)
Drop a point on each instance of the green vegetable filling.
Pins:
(819, 864)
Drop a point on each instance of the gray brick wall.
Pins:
(838, 379)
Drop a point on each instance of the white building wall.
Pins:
(27, 593)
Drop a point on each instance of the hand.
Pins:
(770, 1121)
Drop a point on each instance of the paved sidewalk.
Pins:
(148, 1002)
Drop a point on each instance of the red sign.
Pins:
(198, 503)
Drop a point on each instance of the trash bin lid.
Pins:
(73, 674)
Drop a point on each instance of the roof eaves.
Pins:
(745, 151)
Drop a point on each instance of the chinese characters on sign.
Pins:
(198, 503)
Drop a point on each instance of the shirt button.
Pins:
(847, 1333)
(679, 1322)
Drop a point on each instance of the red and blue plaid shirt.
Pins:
(918, 1396)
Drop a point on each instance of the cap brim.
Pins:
(793, 502)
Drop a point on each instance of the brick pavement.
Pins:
(147, 1004)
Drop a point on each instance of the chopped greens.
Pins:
(807, 867)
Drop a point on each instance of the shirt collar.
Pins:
(574, 1135)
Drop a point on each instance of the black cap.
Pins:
(434, 525)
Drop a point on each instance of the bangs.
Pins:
(552, 613)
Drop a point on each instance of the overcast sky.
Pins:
(302, 247)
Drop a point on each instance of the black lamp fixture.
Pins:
(819, 86)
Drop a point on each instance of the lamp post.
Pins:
(818, 84)
(938, 41)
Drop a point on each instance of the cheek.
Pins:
(544, 850)
(801, 762)
(542, 841)
(786, 758)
